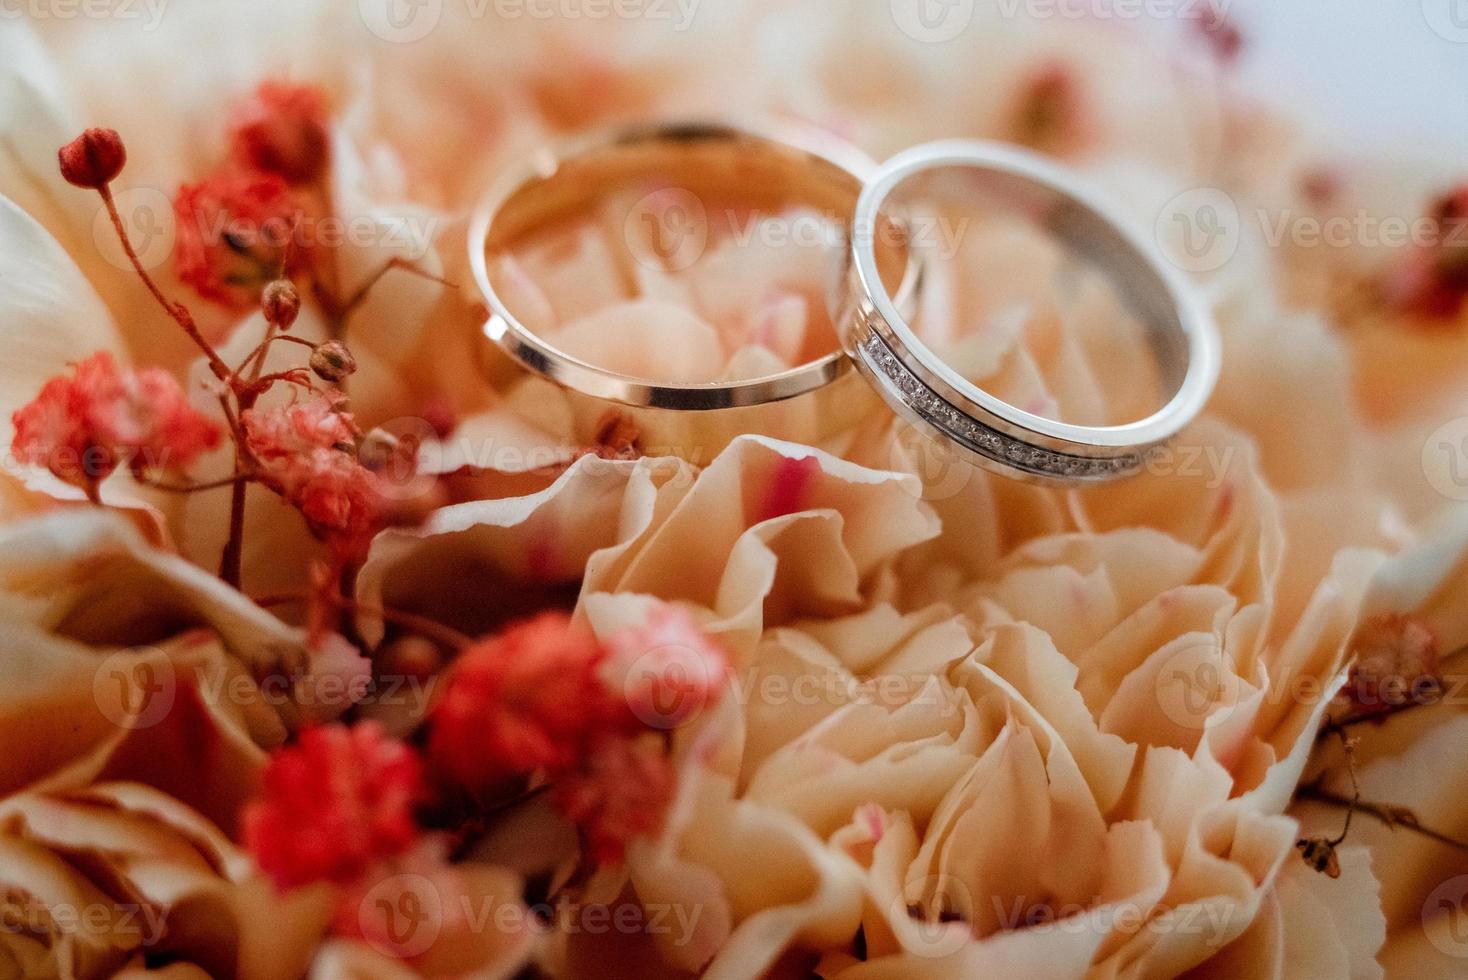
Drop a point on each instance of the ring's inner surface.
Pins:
(678, 258)
(1036, 299)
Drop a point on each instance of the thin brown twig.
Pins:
(338, 310)
(264, 344)
(1348, 746)
(431, 629)
(177, 311)
(196, 487)
(1392, 816)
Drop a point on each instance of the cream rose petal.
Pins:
(1291, 939)
(52, 314)
(771, 531)
(172, 882)
(583, 523)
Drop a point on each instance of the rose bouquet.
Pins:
(328, 652)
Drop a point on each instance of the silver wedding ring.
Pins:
(874, 299)
(922, 388)
(703, 162)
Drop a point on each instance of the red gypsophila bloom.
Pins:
(1431, 280)
(281, 130)
(334, 804)
(308, 450)
(233, 236)
(622, 791)
(82, 426)
(668, 669)
(525, 700)
(1394, 664)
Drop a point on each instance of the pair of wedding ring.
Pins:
(873, 303)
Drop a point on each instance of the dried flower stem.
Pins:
(445, 636)
(338, 310)
(197, 487)
(1389, 814)
(177, 311)
(257, 356)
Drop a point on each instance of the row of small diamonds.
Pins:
(981, 438)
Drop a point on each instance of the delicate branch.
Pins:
(232, 559)
(177, 311)
(1391, 815)
(338, 310)
(195, 487)
(259, 351)
(445, 636)
(1348, 746)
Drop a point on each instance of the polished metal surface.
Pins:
(920, 386)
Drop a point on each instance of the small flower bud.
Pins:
(1320, 854)
(93, 159)
(281, 304)
(332, 361)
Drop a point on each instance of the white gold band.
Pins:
(925, 390)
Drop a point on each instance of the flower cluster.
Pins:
(333, 804)
(1431, 281)
(340, 802)
(308, 450)
(237, 226)
(83, 426)
(981, 728)
(547, 697)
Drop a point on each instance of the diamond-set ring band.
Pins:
(921, 387)
(882, 286)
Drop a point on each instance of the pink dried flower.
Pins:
(1431, 282)
(234, 234)
(333, 361)
(316, 423)
(622, 791)
(527, 699)
(82, 426)
(280, 303)
(308, 451)
(281, 130)
(1221, 34)
(668, 669)
(333, 804)
(1395, 664)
